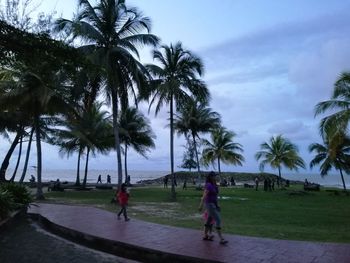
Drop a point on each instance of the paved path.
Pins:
(150, 242)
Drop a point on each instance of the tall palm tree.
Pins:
(135, 132)
(332, 157)
(339, 104)
(174, 81)
(112, 32)
(195, 118)
(277, 152)
(222, 148)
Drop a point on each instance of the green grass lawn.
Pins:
(282, 214)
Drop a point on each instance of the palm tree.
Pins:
(195, 118)
(222, 148)
(277, 152)
(112, 32)
(135, 132)
(174, 81)
(339, 104)
(89, 131)
(36, 96)
(329, 156)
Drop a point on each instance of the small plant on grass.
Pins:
(19, 193)
(6, 203)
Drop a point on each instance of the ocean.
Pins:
(69, 175)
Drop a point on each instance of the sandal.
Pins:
(223, 242)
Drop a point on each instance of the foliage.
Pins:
(279, 151)
(173, 83)
(339, 105)
(6, 203)
(222, 148)
(19, 194)
(332, 155)
(111, 33)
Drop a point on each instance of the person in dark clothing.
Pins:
(99, 179)
(108, 179)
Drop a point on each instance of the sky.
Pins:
(267, 64)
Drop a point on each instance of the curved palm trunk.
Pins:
(18, 159)
(197, 159)
(342, 178)
(173, 194)
(27, 156)
(126, 163)
(39, 192)
(6, 160)
(116, 137)
(77, 180)
(86, 167)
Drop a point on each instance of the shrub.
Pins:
(6, 203)
(20, 195)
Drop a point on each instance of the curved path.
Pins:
(148, 242)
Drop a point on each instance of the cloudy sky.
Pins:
(268, 63)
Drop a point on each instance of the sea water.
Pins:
(70, 175)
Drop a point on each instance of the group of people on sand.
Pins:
(209, 201)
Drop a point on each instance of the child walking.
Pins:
(123, 198)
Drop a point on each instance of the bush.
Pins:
(20, 195)
(6, 203)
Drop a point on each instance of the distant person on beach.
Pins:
(99, 179)
(210, 199)
(256, 183)
(32, 179)
(123, 198)
(233, 183)
(165, 181)
(108, 179)
(184, 187)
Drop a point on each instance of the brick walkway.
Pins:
(150, 242)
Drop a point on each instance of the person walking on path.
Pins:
(99, 179)
(123, 198)
(210, 199)
(108, 179)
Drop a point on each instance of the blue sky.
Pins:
(268, 63)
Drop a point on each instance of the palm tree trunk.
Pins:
(27, 156)
(219, 166)
(279, 173)
(126, 163)
(342, 178)
(39, 192)
(18, 159)
(77, 180)
(173, 194)
(197, 158)
(6, 160)
(116, 136)
(86, 167)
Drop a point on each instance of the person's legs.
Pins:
(214, 213)
(125, 214)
